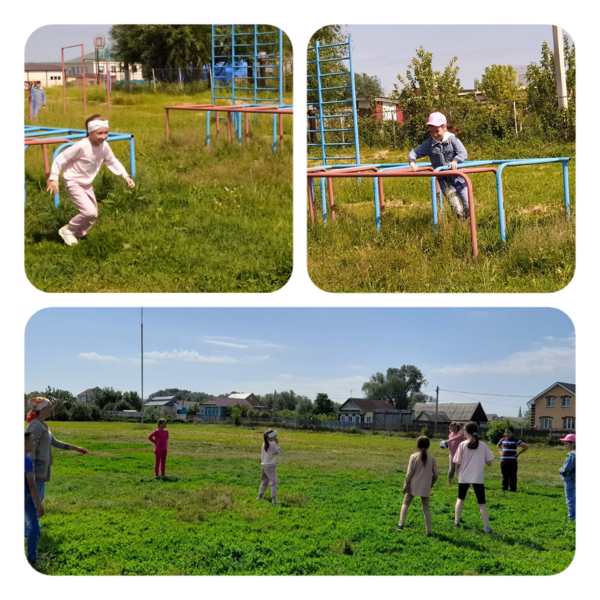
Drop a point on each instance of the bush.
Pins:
(80, 412)
(496, 430)
(61, 412)
(236, 415)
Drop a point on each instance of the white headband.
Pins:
(96, 124)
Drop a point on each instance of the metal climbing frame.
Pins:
(247, 77)
(331, 105)
(65, 137)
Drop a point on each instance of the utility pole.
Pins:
(559, 68)
(142, 357)
(437, 398)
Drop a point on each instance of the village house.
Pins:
(374, 414)
(89, 396)
(48, 73)
(167, 406)
(219, 408)
(554, 408)
(381, 109)
(447, 413)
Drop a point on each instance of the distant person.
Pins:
(42, 441)
(160, 438)
(421, 475)
(313, 123)
(567, 472)
(471, 458)
(34, 505)
(444, 149)
(81, 163)
(456, 435)
(268, 465)
(37, 97)
(509, 453)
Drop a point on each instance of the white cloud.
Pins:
(94, 356)
(240, 343)
(189, 356)
(545, 358)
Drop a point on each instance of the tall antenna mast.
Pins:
(142, 356)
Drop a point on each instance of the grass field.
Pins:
(199, 220)
(408, 255)
(340, 495)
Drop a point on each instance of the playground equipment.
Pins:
(82, 73)
(246, 78)
(332, 116)
(65, 137)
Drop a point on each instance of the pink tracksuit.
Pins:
(160, 439)
(80, 164)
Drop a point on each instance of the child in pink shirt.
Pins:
(80, 164)
(455, 437)
(160, 438)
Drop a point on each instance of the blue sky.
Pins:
(385, 50)
(44, 44)
(492, 351)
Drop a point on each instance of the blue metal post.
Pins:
(324, 199)
(354, 111)
(275, 134)
(566, 192)
(255, 68)
(280, 66)
(376, 202)
(132, 167)
(212, 55)
(207, 134)
(434, 208)
(320, 96)
(500, 200)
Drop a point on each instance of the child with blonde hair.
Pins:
(80, 164)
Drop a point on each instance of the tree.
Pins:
(106, 396)
(423, 90)
(541, 92)
(500, 83)
(304, 406)
(396, 386)
(367, 86)
(133, 400)
(323, 405)
(80, 412)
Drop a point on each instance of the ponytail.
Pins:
(266, 438)
(423, 444)
(472, 429)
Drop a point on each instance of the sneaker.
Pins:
(67, 236)
(487, 530)
(455, 203)
(399, 527)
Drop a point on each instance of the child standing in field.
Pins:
(160, 438)
(81, 163)
(34, 506)
(509, 447)
(455, 437)
(471, 457)
(268, 465)
(567, 472)
(421, 475)
(444, 149)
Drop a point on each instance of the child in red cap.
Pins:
(567, 472)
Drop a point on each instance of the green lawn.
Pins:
(199, 220)
(409, 255)
(340, 495)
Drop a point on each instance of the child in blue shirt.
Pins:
(444, 149)
(34, 507)
(567, 472)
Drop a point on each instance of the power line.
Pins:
(485, 394)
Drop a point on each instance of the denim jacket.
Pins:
(440, 153)
(567, 471)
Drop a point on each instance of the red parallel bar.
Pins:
(311, 200)
(45, 141)
(426, 172)
(331, 198)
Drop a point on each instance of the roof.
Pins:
(569, 387)
(240, 395)
(42, 66)
(364, 405)
(226, 401)
(455, 411)
(426, 415)
(163, 398)
(156, 402)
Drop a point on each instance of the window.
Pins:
(568, 422)
(565, 402)
(545, 422)
(369, 418)
(550, 401)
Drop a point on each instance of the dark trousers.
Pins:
(509, 475)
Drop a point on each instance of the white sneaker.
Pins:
(67, 236)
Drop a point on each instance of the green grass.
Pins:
(340, 495)
(409, 255)
(199, 220)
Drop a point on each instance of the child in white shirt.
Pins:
(268, 462)
(80, 164)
